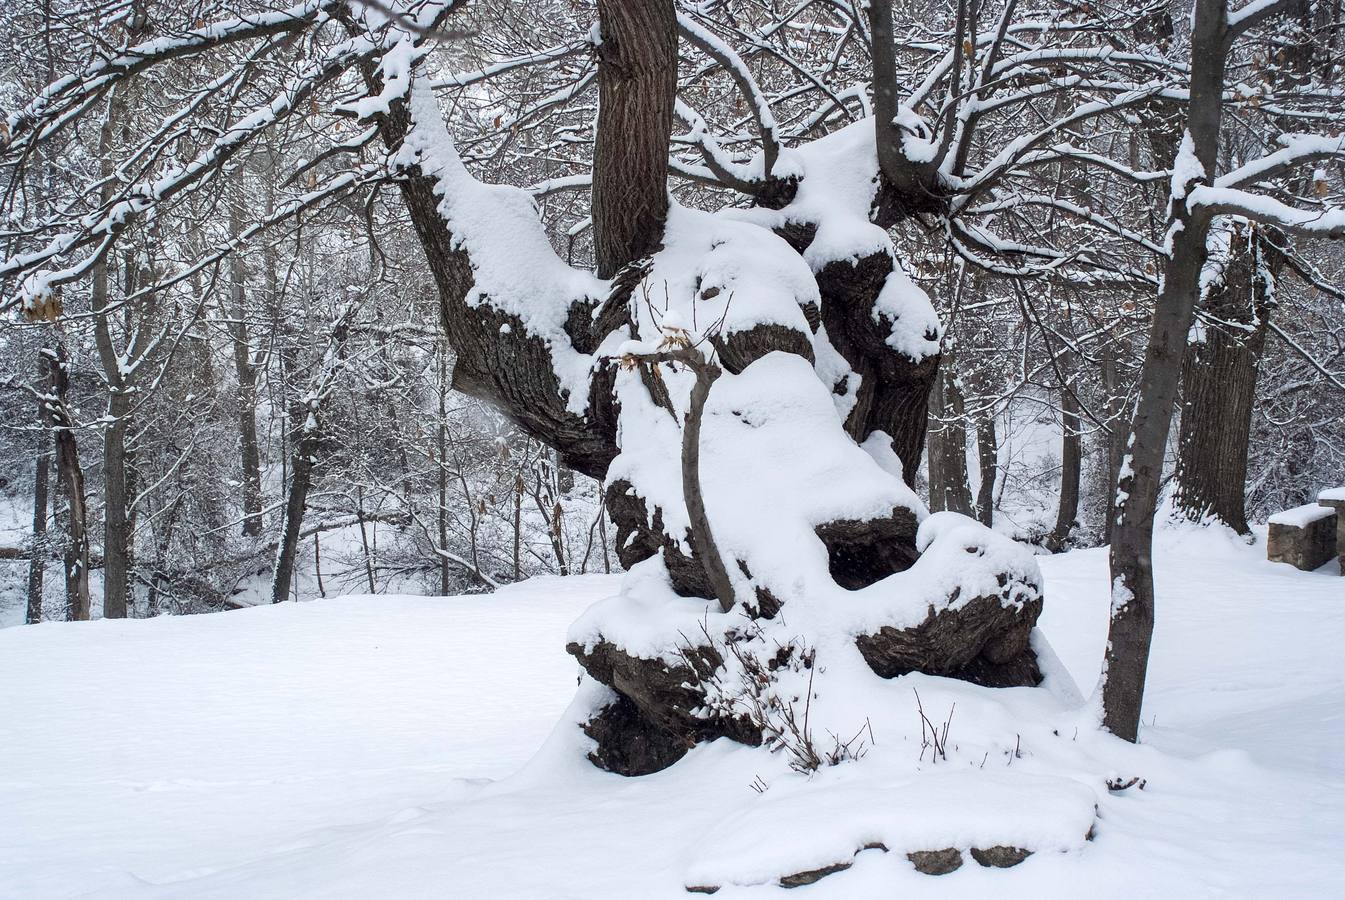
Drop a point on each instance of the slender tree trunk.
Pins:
(317, 565)
(518, 524)
(1071, 459)
(296, 502)
(948, 487)
(364, 539)
(1132, 602)
(70, 474)
(987, 456)
(37, 563)
(1117, 438)
(1219, 381)
(249, 451)
(116, 503)
(445, 574)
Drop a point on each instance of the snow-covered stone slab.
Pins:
(956, 817)
(1332, 495)
(1302, 516)
(1305, 537)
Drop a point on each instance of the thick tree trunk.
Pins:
(1132, 616)
(1219, 384)
(37, 563)
(1071, 459)
(637, 82)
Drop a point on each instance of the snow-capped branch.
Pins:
(710, 44)
(75, 90)
(1296, 149)
(1328, 222)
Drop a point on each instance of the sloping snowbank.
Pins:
(341, 749)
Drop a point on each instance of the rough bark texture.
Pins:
(1132, 618)
(637, 80)
(983, 641)
(1219, 384)
(947, 463)
(505, 367)
(652, 723)
(894, 389)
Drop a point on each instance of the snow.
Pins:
(371, 746)
(1186, 168)
(1303, 516)
(516, 269)
(770, 436)
(1333, 495)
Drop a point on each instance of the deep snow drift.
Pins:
(346, 748)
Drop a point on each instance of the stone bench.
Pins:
(1304, 537)
(1334, 500)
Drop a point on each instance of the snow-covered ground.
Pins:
(398, 747)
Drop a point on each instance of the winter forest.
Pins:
(918, 427)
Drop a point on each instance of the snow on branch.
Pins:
(100, 228)
(75, 90)
(1256, 12)
(515, 268)
(1328, 222)
(733, 64)
(1294, 149)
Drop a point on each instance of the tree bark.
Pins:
(637, 83)
(948, 481)
(987, 455)
(1132, 617)
(249, 452)
(1117, 438)
(296, 502)
(70, 474)
(116, 503)
(37, 563)
(1219, 384)
(1071, 459)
